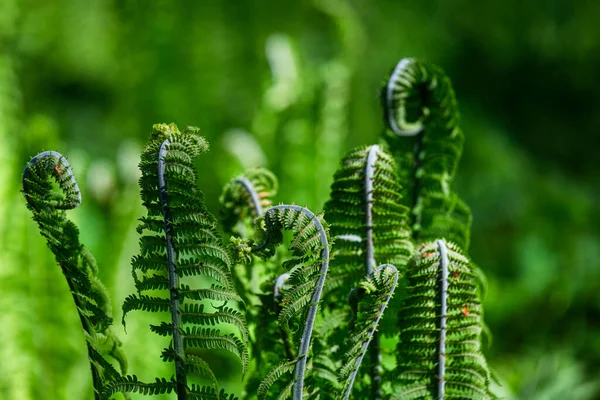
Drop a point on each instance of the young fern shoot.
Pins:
(245, 198)
(440, 352)
(77, 264)
(373, 295)
(307, 271)
(369, 224)
(181, 240)
(425, 138)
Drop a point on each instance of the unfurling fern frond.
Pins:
(440, 352)
(302, 292)
(424, 135)
(245, 198)
(373, 295)
(242, 201)
(77, 264)
(180, 240)
(370, 227)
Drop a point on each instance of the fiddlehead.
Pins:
(77, 264)
(307, 270)
(440, 353)
(374, 294)
(180, 240)
(245, 198)
(370, 226)
(419, 102)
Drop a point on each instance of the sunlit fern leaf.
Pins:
(370, 226)
(245, 198)
(374, 292)
(284, 367)
(307, 272)
(197, 392)
(440, 352)
(130, 383)
(77, 264)
(179, 240)
(425, 138)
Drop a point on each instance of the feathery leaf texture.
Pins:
(425, 138)
(370, 227)
(376, 291)
(439, 356)
(179, 240)
(77, 264)
(245, 198)
(307, 272)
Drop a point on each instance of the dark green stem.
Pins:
(173, 278)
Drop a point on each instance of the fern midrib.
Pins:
(299, 372)
(173, 278)
(249, 187)
(443, 252)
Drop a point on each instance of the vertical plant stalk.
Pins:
(303, 349)
(373, 333)
(374, 350)
(253, 195)
(443, 251)
(173, 277)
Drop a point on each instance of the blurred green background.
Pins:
(293, 86)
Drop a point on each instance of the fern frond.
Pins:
(179, 240)
(371, 227)
(307, 272)
(419, 102)
(245, 198)
(77, 264)
(197, 392)
(276, 372)
(377, 290)
(131, 384)
(440, 354)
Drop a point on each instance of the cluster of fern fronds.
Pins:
(386, 258)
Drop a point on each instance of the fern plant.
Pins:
(389, 262)
(48, 206)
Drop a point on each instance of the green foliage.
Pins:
(441, 322)
(245, 198)
(304, 283)
(180, 241)
(77, 264)
(419, 102)
(184, 268)
(374, 294)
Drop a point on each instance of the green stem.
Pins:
(173, 277)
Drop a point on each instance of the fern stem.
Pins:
(173, 278)
(373, 333)
(300, 370)
(369, 174)
(374, 350)
(443, 252)
(253, 195)
(389, 90)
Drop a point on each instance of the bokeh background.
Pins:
(293, 85)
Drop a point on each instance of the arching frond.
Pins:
(180, 239)
(77, 264)
(440, 352)
(370, 226)
(425, 138)
(374, 292)
(245, 198)
(307, 272)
